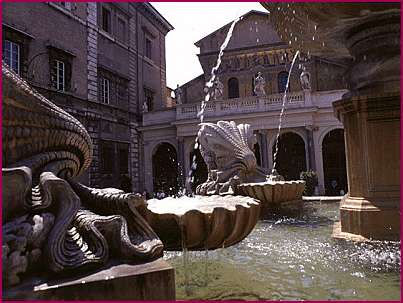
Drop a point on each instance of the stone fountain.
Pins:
(235, 195)
(232, 169)
(59, 234)
(365, 36)
(55, 228)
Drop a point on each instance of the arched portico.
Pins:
(334, 162)
(291, 156)
(165, 169)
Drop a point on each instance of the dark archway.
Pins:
(334, 163)
(200, 173)
(282, 81)
(233, 88)
(165, 169)
(291, 159)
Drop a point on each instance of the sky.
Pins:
(193, 21)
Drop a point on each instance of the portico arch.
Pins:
(291, 156)
(165, 168)
(198, 168)
(334, 162)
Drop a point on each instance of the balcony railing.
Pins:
(240, 105)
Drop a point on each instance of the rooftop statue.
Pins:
(217, 89)
(259, 83)
(178, 95)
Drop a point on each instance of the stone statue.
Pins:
(145, 107)
(227, 150)
(305, 79)
(217, 89)
(259, 85)
(48, 217)
(178, 94)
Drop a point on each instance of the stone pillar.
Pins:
(263, 148)
(181, 162)
(147, 159)
(311, 148)
(371, 118)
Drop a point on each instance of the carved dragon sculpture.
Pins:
(48, 218)
(227, 150)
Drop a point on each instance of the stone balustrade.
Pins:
(240, 105)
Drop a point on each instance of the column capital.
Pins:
(311, 127)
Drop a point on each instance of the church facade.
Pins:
(311, 137)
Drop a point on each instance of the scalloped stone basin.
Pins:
(276, 197)
(202, 222)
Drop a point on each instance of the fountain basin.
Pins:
(202, 222)
(276, 197)
(329, 23)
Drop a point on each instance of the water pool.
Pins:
(292, 259)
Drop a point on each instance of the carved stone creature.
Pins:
(227, 150)
(47, 216)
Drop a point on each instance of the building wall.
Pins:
(255, 47)
(115, 53)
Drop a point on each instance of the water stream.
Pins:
(209, 86)
(283, 105)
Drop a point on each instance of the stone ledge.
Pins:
(149, 281)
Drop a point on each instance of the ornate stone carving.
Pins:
(47, 215)
(227, 150)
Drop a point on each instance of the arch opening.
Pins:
(291, 158)
(200, 173)
(165, 169)
(334, 163)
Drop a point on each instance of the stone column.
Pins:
(148, 167)
(371, 118)
(181, 162)
(263, 148)
(311, 148)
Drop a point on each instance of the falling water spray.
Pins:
(273, 171)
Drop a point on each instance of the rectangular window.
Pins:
(11, 55)
(149, 99)
(107, 157)
(105, 90)
(121, 30)
(58, 75)
(106, 20)
(148, 49)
